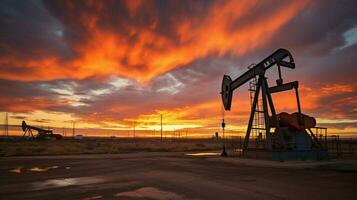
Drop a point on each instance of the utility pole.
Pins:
(6, 124)
(134, 131)
(73, 130)
(161, 125)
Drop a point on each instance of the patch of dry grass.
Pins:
(15, 146)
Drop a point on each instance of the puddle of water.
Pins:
(93, 198)
(16, 170)
(150, 193)
(238, 150)
(64, 182)
(204, 154)
(38, 169)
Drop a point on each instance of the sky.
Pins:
(116, 65)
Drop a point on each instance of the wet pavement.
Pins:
(173, 176)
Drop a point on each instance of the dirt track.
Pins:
(172, 176)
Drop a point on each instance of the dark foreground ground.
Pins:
(173, 176)
(18, 146)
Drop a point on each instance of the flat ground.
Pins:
(17, 146)
(173, 176)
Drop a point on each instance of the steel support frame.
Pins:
(28, 132)
(251, 118)
(267, 105)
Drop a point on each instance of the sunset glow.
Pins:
(120, 65)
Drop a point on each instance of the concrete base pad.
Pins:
(286, 155)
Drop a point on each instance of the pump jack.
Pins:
(42, 133)
(283, 135)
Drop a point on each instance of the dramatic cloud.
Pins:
(136, 40)
(112, 64)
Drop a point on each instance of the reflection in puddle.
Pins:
(150, 193)
(204, 154)
(93, 198)
(63, 182)
(38, 169)
(16, 170)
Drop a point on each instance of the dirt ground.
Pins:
(17, 146)
(174, 176)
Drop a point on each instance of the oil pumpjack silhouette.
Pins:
(42, 133)
(292, 137)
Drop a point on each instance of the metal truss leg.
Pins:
(255, 101)
(273, 113)
(266, 114)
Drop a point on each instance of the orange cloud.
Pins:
(311, 99)
(29, 104)
(105, 52)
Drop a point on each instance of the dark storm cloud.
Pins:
(314, 37)
(319, 28)
(16, 89)
(26, 96)
(28, 30)
(201, 78)
(338, 66)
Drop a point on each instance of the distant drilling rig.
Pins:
(292, 138)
